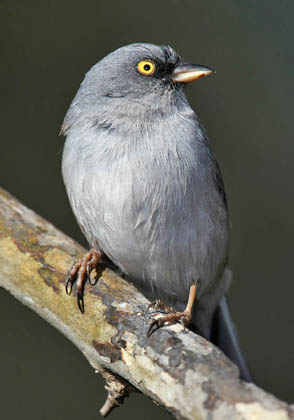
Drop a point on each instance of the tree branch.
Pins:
(179, 370)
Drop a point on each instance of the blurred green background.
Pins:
(247, 109)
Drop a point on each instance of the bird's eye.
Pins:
(146, 67)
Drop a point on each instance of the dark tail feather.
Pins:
(224, 336)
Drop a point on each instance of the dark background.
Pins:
(247, 109)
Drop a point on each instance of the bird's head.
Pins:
(135, 80)
(137, 70)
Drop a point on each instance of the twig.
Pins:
(117, 389)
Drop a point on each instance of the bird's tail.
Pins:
(224, 335)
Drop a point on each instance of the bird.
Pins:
(147, 192)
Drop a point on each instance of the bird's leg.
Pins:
(183, 317)
(80, 273)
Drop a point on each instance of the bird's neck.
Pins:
(127, 116)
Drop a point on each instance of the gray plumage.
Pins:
(143, 181)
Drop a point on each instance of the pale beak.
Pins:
(186, 73)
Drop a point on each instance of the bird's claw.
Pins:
(183, 318)
(71, 277)
(80, 273)
(89, 269)
(160, 307)
(155, 325)
(68, 286)
(80, 300)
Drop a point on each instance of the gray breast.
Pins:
(152, 203)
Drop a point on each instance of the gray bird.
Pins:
(146, 189)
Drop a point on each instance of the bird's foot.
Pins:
(170, 319)
(81, 272)
(160, 307)
(173, 316)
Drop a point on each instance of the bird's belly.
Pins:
(162, 245)
(152, 223)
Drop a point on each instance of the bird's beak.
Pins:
(186, 73)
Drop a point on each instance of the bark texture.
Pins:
(179, 370)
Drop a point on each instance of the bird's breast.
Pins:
(152, 207)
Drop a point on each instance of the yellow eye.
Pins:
(146, 67)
